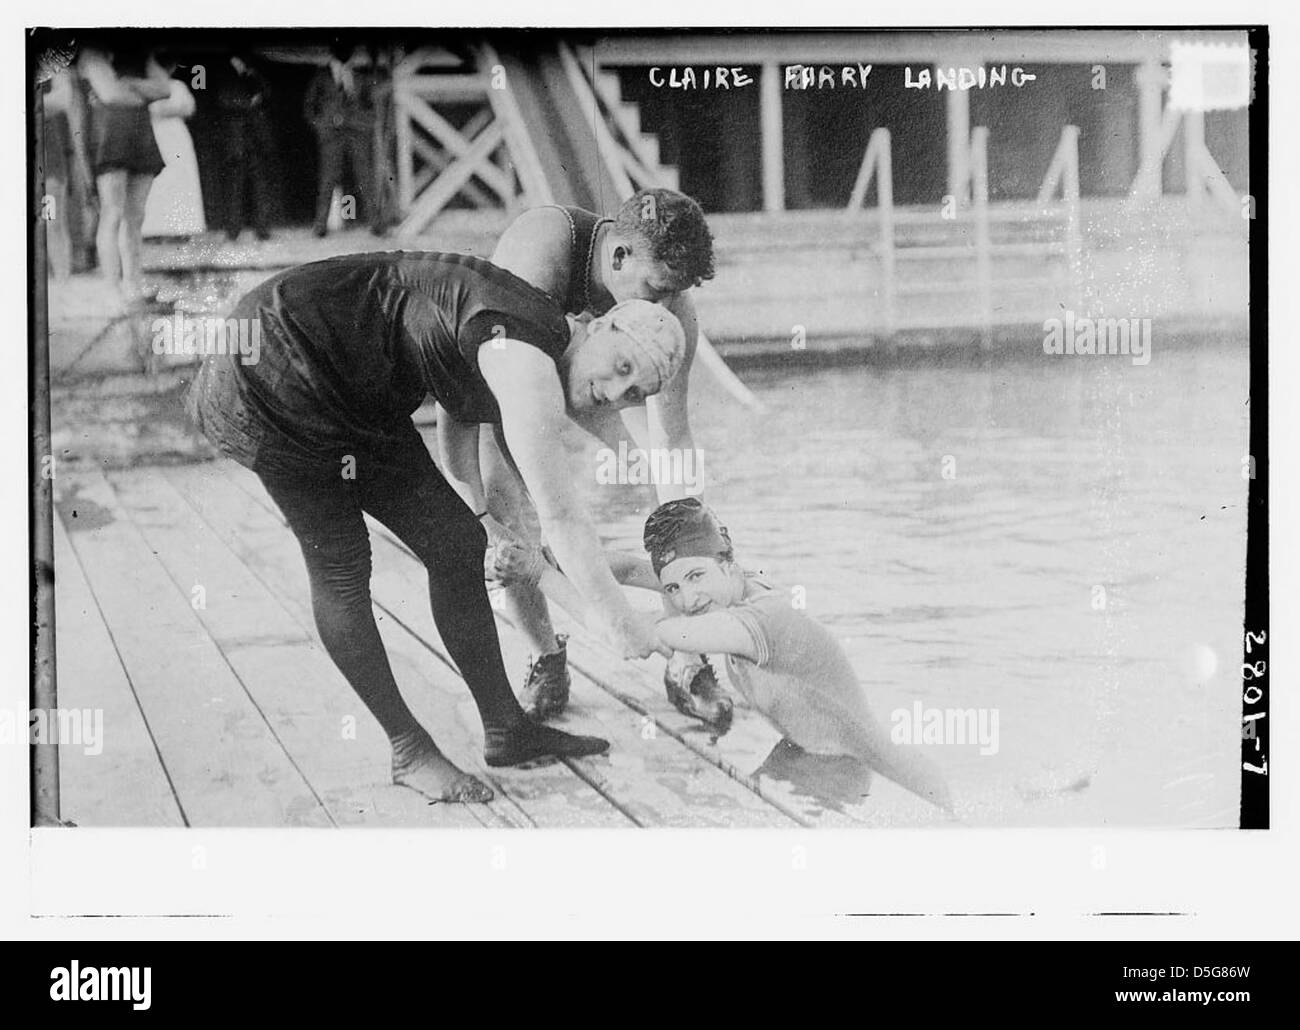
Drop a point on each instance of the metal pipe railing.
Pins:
(979, 168)
(878, 163)
(1063, 174)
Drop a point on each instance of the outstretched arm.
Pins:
(666, 415)
(711, 633)
(528, 393)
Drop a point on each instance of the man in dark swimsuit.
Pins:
(349, 348)
(656, 248)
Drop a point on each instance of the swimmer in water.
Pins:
(787, 665)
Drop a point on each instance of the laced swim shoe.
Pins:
(546, 690)
(694, 690)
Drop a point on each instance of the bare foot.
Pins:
(418, 764)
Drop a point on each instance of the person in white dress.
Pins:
(175, 206)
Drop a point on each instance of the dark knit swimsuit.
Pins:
(583, 225)
(350, 346)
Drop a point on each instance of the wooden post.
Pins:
(885, 198)
(773, 137)
(1073, 219)
(1193, 164)
(983, 238)
(1151, 81)
(44, 691)
(405, 152)
(959, 167)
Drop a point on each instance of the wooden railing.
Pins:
(1202, 172)
(972, 206)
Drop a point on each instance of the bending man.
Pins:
(655, 249)
(321, 411)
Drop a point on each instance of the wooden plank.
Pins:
(225, 763)
(125, 784)
(652, 775)
(475, 162)
(549, 795)
(532, 176)
(637, 768)
(435, 693)
(771, 135)
(458, 142)
(605, 143)
(638, 688)
(405, 138)
(452, 88)
(435, 162)
(327, 731)
(654, 783)
(256, 534)
(649, 775)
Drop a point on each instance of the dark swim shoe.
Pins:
(702, 698)
(527, 741)
(546, 690)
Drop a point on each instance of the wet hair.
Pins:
(671, 227)
(681, 523)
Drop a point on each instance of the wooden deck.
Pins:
(183, 614)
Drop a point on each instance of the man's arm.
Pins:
(606, 425)
(664, 423)
(458, 448)
(632, 570)
(528, 393)
(535, 247)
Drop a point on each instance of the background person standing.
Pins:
(246, 145)
(124, 157)
(175, 205)
(339, 107)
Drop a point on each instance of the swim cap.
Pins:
(656, 334)
(684, 528)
